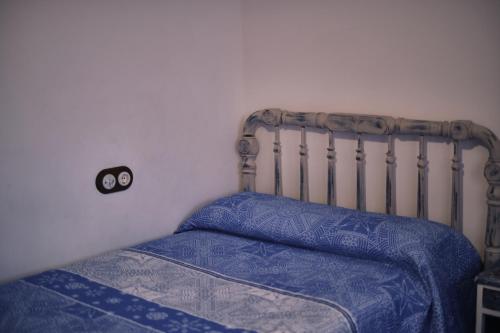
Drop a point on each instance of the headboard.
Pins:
(361, 125)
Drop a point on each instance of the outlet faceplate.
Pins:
(114, 179)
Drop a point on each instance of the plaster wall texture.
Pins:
(87, 85)
(164, 86)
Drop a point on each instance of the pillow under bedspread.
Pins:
(442, 259)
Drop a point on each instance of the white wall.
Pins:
(162, 86)
(416, 59)
(86, 85)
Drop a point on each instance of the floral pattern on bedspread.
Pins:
(59, 301)
(438, 264)
(206, 294)
(133, 291)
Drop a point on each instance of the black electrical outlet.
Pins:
(114, 179)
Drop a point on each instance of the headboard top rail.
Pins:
(361, 124)
(376, 125)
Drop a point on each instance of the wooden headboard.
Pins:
(361, 125)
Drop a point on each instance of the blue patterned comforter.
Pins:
(258, 263)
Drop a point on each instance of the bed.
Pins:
(255, 262)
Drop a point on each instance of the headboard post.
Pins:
(459, 130)
(248, 148)
(492, 251)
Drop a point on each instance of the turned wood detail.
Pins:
(492, 174)
(457, 188)
(360, 175)
(278, 180)
(422, 202)
(304, 174)
(457, 131)
(331, 157)
(248, 148)
(390, 178)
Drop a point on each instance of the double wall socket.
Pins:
(114, 179)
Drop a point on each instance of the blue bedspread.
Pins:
(259, 263)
